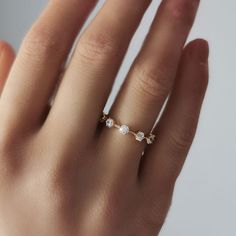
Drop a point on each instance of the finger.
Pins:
(152, 75)
(39, 62)
(89, 78)
(7, 57)
(176, 129)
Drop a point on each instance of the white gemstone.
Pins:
(124, 129)
(149, 141)
(140, 136)
(109, 123)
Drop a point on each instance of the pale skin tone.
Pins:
(63, 173)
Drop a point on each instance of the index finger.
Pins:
(38, 64)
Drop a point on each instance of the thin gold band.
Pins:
(124, 129)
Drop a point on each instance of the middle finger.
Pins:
(97, 58)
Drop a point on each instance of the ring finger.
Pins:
(152, 75)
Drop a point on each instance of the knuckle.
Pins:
(41, 42)
(15, 148)
(96, 48)
(106, 205)
(182, 12)
(154, 83)
(154, 215)
(57, 193)
(153, 224)
(57, 196)
(181, 139)
(109, 207)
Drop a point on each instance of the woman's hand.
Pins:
(64, 173)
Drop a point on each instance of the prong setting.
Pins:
(124, 129)
(110, 123)
(140, 136)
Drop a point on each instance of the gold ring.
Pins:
(125, 130)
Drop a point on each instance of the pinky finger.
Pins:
(177, 127)
(7, 57)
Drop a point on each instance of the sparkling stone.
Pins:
(151, 139)
(140, 136)
(110, 123)
(124, 129)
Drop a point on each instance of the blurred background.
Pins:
(205, 197)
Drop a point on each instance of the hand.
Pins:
(64, 173)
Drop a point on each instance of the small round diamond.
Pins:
(124, 129)
(140, 136)
(110, 123)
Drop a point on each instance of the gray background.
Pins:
(204, 201)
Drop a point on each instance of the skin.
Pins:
(63, 173)
(7, 57)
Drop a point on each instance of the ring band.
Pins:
(124, 129)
